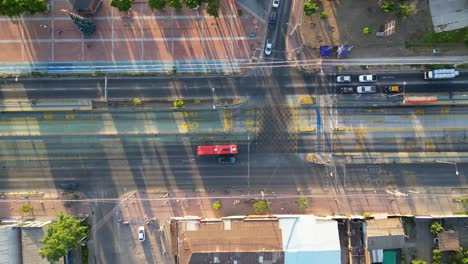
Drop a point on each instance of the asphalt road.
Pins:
(254, 84)
(109, 153)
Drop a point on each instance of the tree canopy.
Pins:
(157, 4)
(122, 5)
(17, 7)
(61, 236)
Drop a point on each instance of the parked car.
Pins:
(227, 160)
(272, 20)
(268, 48)
(275, 3)
(343, 78)
(392, 89)
(366, 89)
(141, 233)
(368, 78)
(69, 186)
(346, 90)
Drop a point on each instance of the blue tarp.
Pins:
(342, 51)
(325, 51)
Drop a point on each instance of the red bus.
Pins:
(217, 150)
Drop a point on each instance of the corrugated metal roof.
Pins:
(30, 245)
(307, 240)
(448, 241)
(9, 245)
(385, 234)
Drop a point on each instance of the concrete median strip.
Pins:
(400, 157)
(45, 105)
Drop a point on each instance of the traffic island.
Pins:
(168, 104)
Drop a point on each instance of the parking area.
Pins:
(140, 35)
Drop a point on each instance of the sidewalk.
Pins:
(140, 40)
(332, 203)
(44, 205)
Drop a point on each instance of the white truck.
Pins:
(441, 74)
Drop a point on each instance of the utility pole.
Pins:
(105, 88)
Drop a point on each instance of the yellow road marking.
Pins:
(400, 129)
(189, 114)
(70, 116)
(429, 145)
(307, 129)
(375, 110)
(249, 123)
(419, 111)
(376, 122)
(445, 110)
(227, 119)
(250, 112)
(48, 116)
(307, 100)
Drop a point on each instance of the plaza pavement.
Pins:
(140, 40)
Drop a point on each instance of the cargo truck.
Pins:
(440, 74)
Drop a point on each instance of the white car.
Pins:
(268, 48)
(366, 89)
(368, 78)
(275, 3)
(141, 233)
(343, 78)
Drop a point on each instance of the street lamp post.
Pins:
(448, 162)
(213, 94)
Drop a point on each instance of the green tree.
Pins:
(26, 208)
(136, 101)
(388, 7)
(324, 15)
(17, 7)
(61, 236)
(404, 11)
(418, 261)
(213, 8)
(261, 206)
(179, 103)
(367, 215)
(176, 4)
(310, 7)
(436, 228)
(302, 203)
(122, 5)
(157, 4)
(436, 256)
(217, 205)
(85, 25)
(367, 31)
(192, 3)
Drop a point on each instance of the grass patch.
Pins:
(457, 36)
(462, 66)
(461, 213)
(438, 66)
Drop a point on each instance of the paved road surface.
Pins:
(285, 81)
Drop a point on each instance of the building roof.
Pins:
(449, 14)
(227, 235)
(448, 240)
(9, 245)
(292, 240)
(308, 240)
(385, 234)
(30, 245)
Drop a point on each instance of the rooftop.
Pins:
(448, 241)
(385, 233)
(226, 235)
